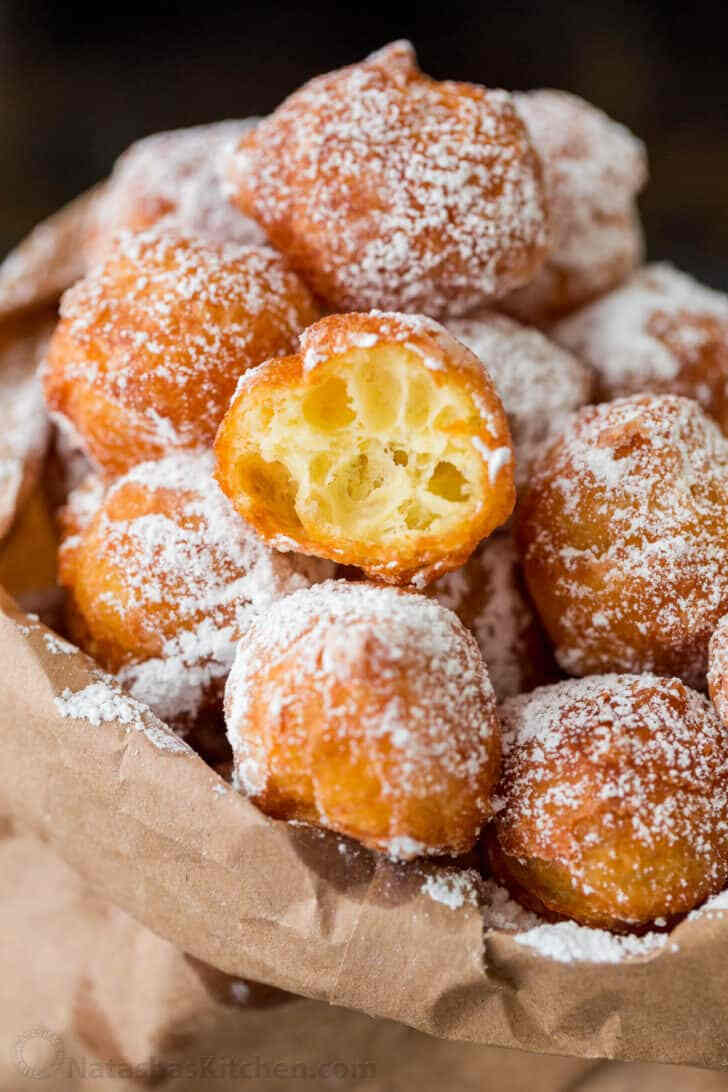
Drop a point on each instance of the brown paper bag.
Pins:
(150, 826)
(91, 999)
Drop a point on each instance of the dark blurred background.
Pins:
(78, 83)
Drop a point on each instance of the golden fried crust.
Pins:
(623, 538)
(662, 332)
(367, 710)
(388, 189)
(613, 802)
(718, 669)
(151, 343)
(382, 444)
(162, 577)
(593, 170)
(489, 597)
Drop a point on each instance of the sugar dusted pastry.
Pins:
(613, 803)
(367, 710)
(174, 179)
(593, 169)
(162, 578)
(718, 669)
(662, 331)
(382, 444)
(623, 534)
(539, 383)
(151, 343)
(388, 189)
(489, 597)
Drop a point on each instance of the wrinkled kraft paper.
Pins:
(160, 835)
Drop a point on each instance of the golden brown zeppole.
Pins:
(623, 534)
(367, 710)
(662, 332)
(539, 383)
(381, 444)
(151, 343)
(489, 596)
(613, 803)
(173, 179)
(162, 577)
(593, 169)
(718, 669)
(388, 189)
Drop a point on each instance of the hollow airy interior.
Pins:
(378, 446)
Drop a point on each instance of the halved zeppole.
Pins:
(381, 444)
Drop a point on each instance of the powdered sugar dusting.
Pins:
(662, 331)
(433, 703)
(175, 179)
(718, 669)
(593, 168)
(632, 554)
(165, 326)
(635, 759)
(386, 187)
(539, 383)
(488, 597)
(189, 555)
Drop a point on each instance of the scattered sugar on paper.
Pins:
(564, 941)
(453, 889)
(102, 702)
(57, 645)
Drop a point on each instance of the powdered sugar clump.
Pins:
(567, 942)
(453, 889)
(387, 188)
(104, 702)
(539, 383)
(564, 941)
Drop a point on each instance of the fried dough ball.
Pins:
(539, 383)
(718, 669)
(163, 578)
(382, 444)
(593, 170)
(660, 332)
(613, 803)
(388, 189)
(174, 179)
(489, 596)
(624, 538)
(150, 345)
(367, 710)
